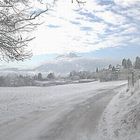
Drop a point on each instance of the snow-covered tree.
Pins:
(51, 76)
(97, 70)
(110, 67)
(124, 63)
(18, 17)
(129, 63)
(137, 63)
(113, 69)
(39, 77)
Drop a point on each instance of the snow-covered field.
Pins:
(27, 113)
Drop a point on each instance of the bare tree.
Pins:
(79, 1)
(16, 18)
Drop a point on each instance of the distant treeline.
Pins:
(119, 72)
(127, 63)
(16, 80)
(111, 73)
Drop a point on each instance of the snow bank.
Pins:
(121, 118)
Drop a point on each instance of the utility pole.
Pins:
(133, 79)
(128, 83)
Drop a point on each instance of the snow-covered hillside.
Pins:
(65, 64)
(121, 119)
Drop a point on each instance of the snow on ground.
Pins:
(121, 118)
(66, 112)
(16, 102)
(62, 82)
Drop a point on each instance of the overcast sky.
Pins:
(100, 28)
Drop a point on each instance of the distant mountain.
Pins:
(66, 63)
(67, 56)
(9, 69)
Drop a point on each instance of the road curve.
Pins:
(66, 121)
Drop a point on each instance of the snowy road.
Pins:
(66, 112)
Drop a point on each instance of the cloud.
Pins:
(105, 2)
(127, 3)
(53, 26)
(86, 28)
(100, 24)
(75, 22)
(111, 17)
